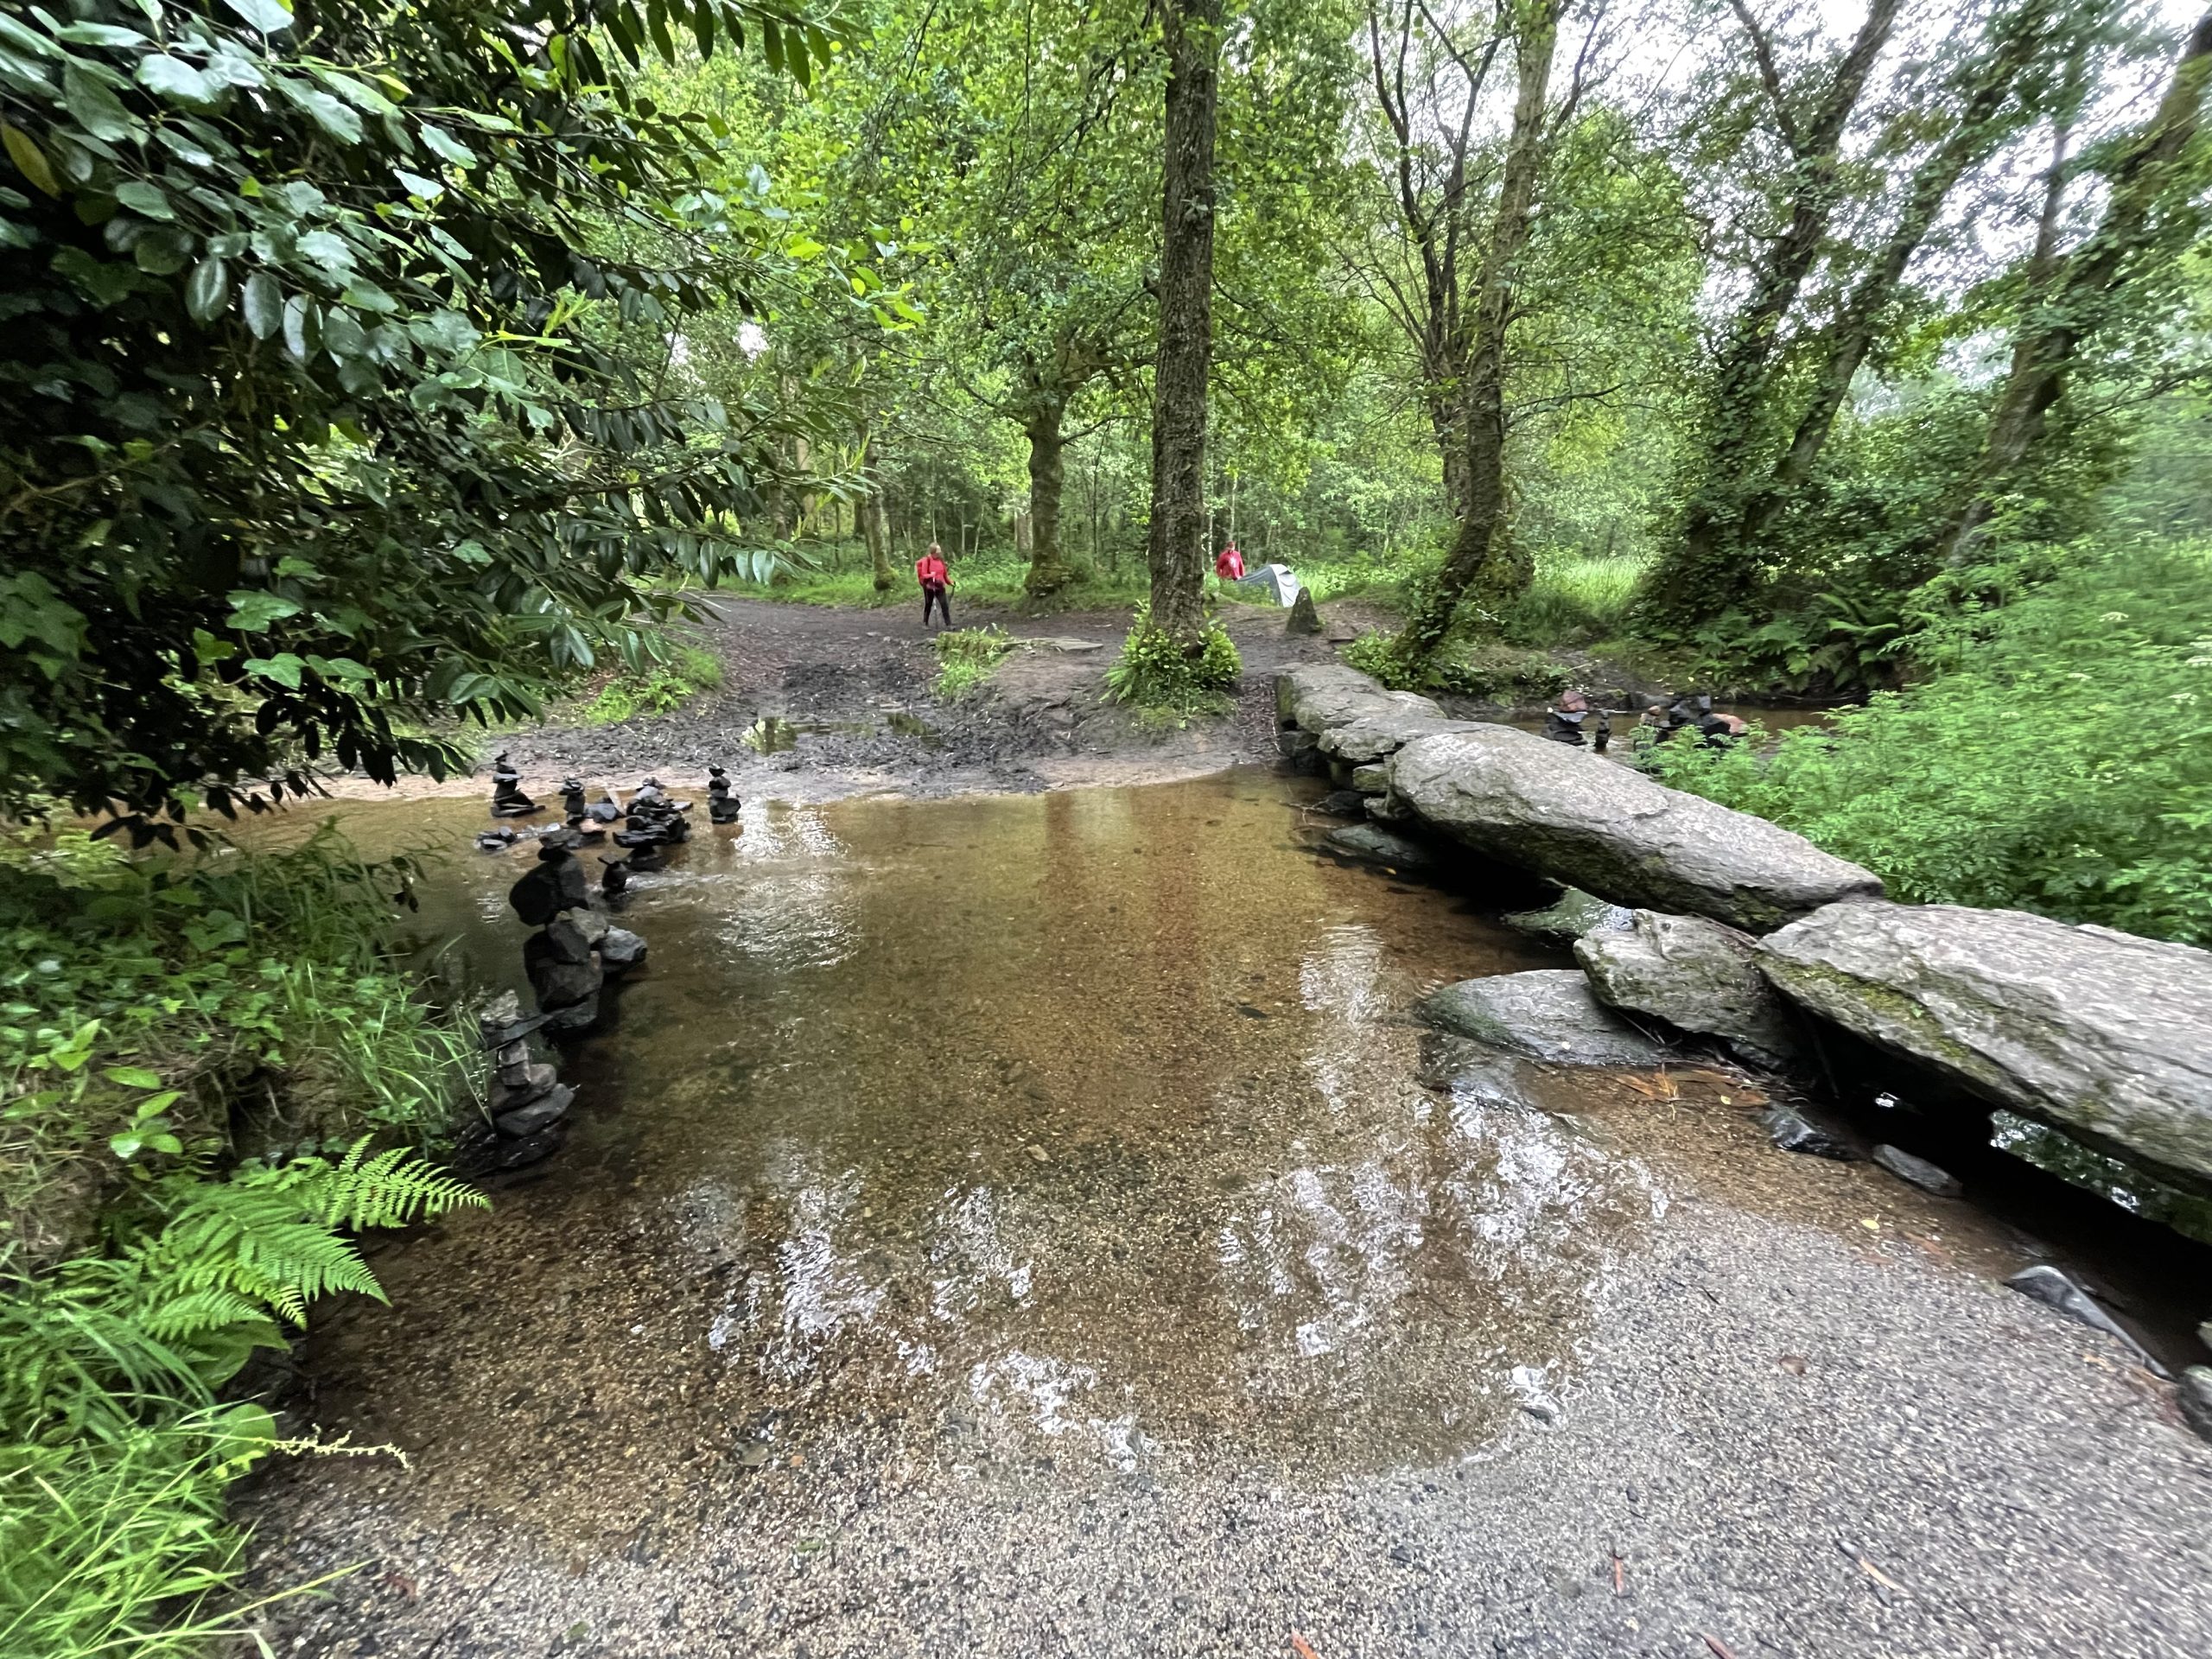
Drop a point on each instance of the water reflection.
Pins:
(1083, 1127)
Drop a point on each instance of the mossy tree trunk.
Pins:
(1176, 549)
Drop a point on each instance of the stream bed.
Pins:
(1015, 1224)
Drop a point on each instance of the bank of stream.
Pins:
(1015, 1224)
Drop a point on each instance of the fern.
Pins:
(393, 1189)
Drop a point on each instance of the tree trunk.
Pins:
(1979, 130)
(875, 530)
(1048, 570)
(2081, 292)
(1176, 549)
(1686, 586)
(1484, 566)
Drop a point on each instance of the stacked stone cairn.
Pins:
(655, 823)
(575, 948)
(507, 799)
(528, 1097)
(722, 805)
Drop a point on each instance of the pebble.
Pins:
(1929, 1178)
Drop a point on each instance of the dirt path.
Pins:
(857, 686)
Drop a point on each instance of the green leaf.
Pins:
(175, 80)
(327, 248)
(301, 332)
(421, 188)
(126, 1146)
(284, 667)
(340, 121)
(209, 650)
(30, 161)
(142, 197)
(132, 1077)
(267, 15)
(206, 290)
(264, 305)
(253, 609)
(447, 146)
(96, 109)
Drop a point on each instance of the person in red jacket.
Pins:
(935, 577)
(1229, 567)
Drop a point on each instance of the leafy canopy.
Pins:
(335, 393)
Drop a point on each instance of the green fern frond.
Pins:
(392, 1189)
(196, 1312)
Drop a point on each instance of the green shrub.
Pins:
(1154, 674)
(660, 688)
(1486, 669)
(2059, 760)
(967, 656)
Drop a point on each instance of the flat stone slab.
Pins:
(2099, 1033)
(1546, 1013)
(1587, 822)
(1570, 916)
(1377, 737)
(1319, 697)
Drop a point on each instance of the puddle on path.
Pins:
(1081, 1126)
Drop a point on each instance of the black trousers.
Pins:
(940, 598)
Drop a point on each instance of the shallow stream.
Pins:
(958, 1175)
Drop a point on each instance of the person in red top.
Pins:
(1229, 567)
(935, 577)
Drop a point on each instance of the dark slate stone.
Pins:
(2054, 1289)
(1793, 1132)
(539, 1115)
(1929, 1178)
(1343, 803)
(1375, 845)
(619, 950)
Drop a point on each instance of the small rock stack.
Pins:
(575, 948)
(528, 1097)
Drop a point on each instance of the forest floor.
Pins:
(855, 690)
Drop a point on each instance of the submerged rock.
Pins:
(2047, 1285)
(1694, 973)
(1546, 1013)
(1343, 803)
(1378, 846)
(1929, 1177)
(1583, 820)
(1792, 1131)
(1573, 914)
(619, 950)
(2097, 1033)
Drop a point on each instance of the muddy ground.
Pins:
(858, 685)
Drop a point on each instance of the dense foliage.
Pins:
(193, 1055)
(337, 384)
(2059, 760)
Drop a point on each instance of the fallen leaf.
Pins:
(403, 1584)
(1793, 1364)
(1877, 1575)
(1870, 1225)
(1719, 1648)
(1620, 1585)
(1300, 1644)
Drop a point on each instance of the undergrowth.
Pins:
(199, 1053)
(1154, 674)
(967, 657)
(2058, 760)
(659, 688)
(1486, 668)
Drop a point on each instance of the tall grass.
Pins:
(967, 657)
(660, 688)
(1575, 600)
